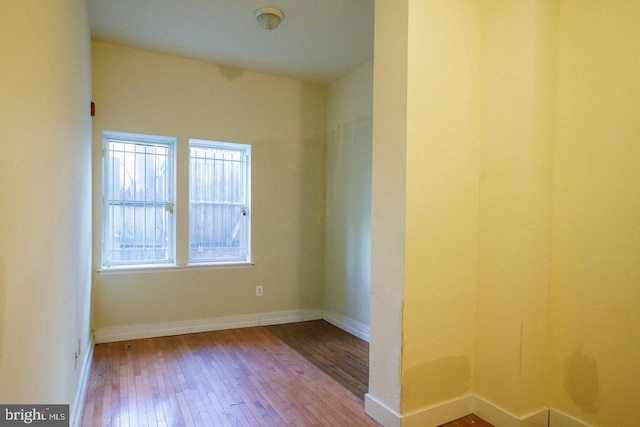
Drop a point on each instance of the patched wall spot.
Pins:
(581, 382)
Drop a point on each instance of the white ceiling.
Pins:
(318, 40)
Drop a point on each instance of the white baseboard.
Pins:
(559, 419)
(354, 327)
(381, 412)
(538, 419)
(132, 332)
(542, 418)
(77, 409)
(494, 414)
(428, 417)
(471, 404)
(439, 414)
(124, 333)
(498, 416)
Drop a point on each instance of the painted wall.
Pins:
(595, 297)
(527, 110)
(45, 203)
(440, 265)
(516, 174)
(347, 276)
(284, 121)
(388, 206)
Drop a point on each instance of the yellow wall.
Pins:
(468, 246)
(440, 265)
(45, 200)
(595, 297)
(521, 261)
(516, 172)
(284, 120)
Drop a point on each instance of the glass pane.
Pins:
(218, 204)
(138, 228)
(217, 232)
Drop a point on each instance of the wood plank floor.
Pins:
(468, 421)
(342, 356)
(240, 377)
(299, 374)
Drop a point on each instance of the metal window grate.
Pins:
(219, 224)
(138, 199)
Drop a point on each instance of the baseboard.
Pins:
(494, 414)
(470, 404)
(381, 412)
(354, 327)
(537, 419)
(559, 419)
(124, 333)
(500, 417)
(542, 418)
(428, 417)
(77, 409)
(439, 414)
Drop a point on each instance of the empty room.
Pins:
(342, 212)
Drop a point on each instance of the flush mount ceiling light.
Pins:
(269, 17)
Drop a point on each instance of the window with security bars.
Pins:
(219, 201)
(138, 199)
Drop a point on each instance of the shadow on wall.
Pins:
(348, 233)
(230, 73)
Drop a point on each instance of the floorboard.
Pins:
(339, 354)
(240, 377)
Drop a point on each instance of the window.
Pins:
(219, 201)
(138, 199)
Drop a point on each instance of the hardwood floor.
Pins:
(468, 421)
(337, 353)
(298, 374)
(240, 377)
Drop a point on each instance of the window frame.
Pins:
(245, 149)
(170, 202)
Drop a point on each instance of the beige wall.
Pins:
(518, 125)
(595, 297)
(516, 173)
(347, 274)
(440, 267)
(284, 120)
(474, 126)
(45, 193)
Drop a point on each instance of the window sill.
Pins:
(218, 265)
(171, 268)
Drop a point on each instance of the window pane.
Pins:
(138, 228)
(219, 202)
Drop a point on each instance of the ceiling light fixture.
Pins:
(269, 17)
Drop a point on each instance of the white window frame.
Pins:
(169, 197)
(243, 207)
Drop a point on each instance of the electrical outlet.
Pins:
(76, 355)
(259, 290)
